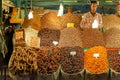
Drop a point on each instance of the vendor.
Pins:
(92, 19)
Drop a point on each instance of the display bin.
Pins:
(101, 76)
(48, 61)
(96, 63)
(74, 76)
(72, 63)
(27, 76)
(114, 58)
(114, 75)
(54, 76)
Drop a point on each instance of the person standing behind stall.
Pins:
(92, 19)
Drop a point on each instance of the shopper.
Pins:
(89, 18)
(9, 42)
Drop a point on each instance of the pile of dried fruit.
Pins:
(91, 38)
(70, 18)
(48, 37)
(95, 60)
(111, 21)
(51, 20)
(23, 60)
(70, 37)
(48, 59)
(112, 38)
(114, 58)
(72, 59)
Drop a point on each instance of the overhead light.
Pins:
(30, 15)
(61, 10)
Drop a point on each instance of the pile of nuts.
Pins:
(114, 58)
(70, 37)
(91, 38)
(72, 59)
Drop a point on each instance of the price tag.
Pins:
(119, 52)
(95, 24)
(55, 43)
(73, 53)
(96, 55)
(70, 25)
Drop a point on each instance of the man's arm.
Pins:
(100, 22)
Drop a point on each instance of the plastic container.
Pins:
(92, 76)
(114, 60)
(74, 76)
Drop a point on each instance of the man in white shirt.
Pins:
(92, 19)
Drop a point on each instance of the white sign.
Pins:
(119, 52)
(55, 43)
(73, 53)
(30, 15)
(95, 24)
(96, 55)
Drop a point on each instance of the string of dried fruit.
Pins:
(112, 38)
(91, 38)
(71, 18)
(23, 61)
(48, 37)
(114, 58)
(48, 59)
(70, 37)
(72, 59)
(51, 20)
(95, 60)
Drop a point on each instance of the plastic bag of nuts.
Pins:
(48, 59)
(96, 63)
(72, 63)
(114, 59)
